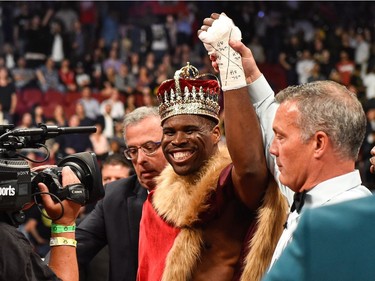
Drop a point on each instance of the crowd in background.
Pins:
(91, 62)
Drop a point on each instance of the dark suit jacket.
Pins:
(335, 242)
(114, 221)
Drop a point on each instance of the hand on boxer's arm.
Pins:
(250, 67)
(216, 33)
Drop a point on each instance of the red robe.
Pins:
(200, 230)
(153, 250)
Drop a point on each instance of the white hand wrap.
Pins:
(216, 41)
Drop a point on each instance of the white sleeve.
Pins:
(265, 105)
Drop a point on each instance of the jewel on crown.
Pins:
(199, 96)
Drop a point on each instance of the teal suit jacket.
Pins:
(335, 242)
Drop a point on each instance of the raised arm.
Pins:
(243, 134)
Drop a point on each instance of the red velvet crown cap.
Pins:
(211, 86)
(189, 96)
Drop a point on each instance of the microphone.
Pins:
(52, 130)
(36, 137)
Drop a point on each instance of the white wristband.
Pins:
(216, 41)
(62, 241)
(232, 75)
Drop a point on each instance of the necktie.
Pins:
(299, 200)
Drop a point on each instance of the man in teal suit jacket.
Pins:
(335, 242)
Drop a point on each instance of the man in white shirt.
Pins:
(369, 82)
(117, 106)
(312, 135)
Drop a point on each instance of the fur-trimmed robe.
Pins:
(181, 209)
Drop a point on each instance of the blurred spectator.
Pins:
(48, 77)
(161, 74)
(369, 83)
(99, 141)
(304, 66)
(362, 52)
(9, 56)
(119, 134)
(37, 114)
(81, 113)
(124, 49)
(134, 64)
(159, 40)
(110, 27)
(74, 143)
(167, 63)
(88, 17)
(37, 40)
(115, 45)
(96, 69)
(171, 28)
(345, 68)
(347, 43)
(257, 50)
(67, 16)
(325, 62)
(288, 58)
(67, 76)
(82, 78)
(125, 82)
(315, 74)
(150, 63)
(112, 61)
(100, 45)
(116, 167)
(109, 129)
(60, 45)
(23, 76)
(148, 98)
(368, 144)
(117, 106)
(356, 85)
(318, 44)
(90, 104)
(117, 146)
(21, 24)
(108, 82)
(130, 103)
(144, 79)
(26, 121)
(59, 117)
(184, 30)
(77, 41)
(137, 36)
(8, 96)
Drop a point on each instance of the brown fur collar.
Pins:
(271, 218)
(180, 200)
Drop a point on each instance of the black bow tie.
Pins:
(299, 200)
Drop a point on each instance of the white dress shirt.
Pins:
(335, 190)
(339, 189)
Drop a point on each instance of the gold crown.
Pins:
(200, 95)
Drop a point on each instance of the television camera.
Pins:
(19, 185)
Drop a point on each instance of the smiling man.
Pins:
(207, 201)
(216, 213)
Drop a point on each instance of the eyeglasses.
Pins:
(148, 148)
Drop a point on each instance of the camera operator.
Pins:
(20, 262)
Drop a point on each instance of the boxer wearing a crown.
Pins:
(215, 211)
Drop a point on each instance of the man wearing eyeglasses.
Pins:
(115, 219)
